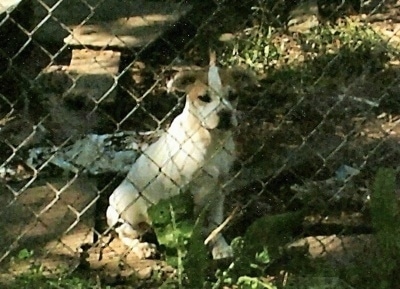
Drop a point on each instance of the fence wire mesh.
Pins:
(85, 89)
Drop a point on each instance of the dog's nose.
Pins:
(225, 120)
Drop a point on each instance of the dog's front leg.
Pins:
(128, 232)
(220, 248)
(211, 197)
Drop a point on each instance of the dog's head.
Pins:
(212, 93)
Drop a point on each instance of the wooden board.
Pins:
(90, 75)
(96, 70)
(113, 23)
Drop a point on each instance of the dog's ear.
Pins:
(182, 80)
(242, 78)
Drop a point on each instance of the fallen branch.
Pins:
(218, 229)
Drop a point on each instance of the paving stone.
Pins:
(53, 220)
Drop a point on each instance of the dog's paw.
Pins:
(144, 250)
(221, 249)
(222, 253)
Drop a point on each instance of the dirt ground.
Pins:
(292, 138)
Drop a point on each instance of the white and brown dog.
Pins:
(195, 154)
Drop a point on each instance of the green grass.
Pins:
(342, 51)
(38, 277)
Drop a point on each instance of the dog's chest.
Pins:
(220, 156)
(196, 157)
(174, 163)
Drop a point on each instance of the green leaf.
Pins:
(263, 257)
(246, 282)
(160, 213)
(173, 223)
(384, 207)
(172, 220)
(263, 241)
(197, 259)
(171, 236)
(25, 254)
(385, 220)
(273, 232)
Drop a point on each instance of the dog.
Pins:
(195, 154)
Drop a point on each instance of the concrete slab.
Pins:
(53, 220)
(341, 249)
(8, 6)
(111, 23)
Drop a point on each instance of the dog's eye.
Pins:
(205, 98)
(232, 96)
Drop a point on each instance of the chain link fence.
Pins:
(83, 92)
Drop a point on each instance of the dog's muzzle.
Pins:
(227, 120)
